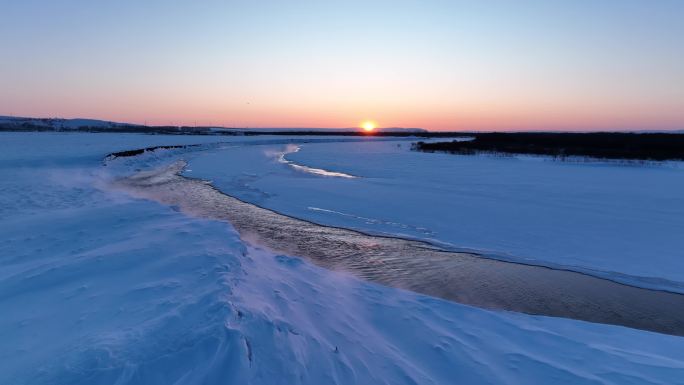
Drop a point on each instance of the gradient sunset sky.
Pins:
(440, 65)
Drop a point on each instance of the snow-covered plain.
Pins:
(624, 221)
(97, 287)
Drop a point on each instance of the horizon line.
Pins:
(350, 128)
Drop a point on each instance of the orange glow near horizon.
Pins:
(368, 126)
(447, 115)
(570, 66)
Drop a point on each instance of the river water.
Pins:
(418, 266)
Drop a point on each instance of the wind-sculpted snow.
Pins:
(97, 287)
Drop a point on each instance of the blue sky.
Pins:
(433, 64)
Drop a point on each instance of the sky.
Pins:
(439, 65)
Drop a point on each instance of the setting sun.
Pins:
(368, 126)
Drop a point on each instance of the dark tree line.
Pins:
(631, 146)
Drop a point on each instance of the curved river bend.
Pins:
(419, 266)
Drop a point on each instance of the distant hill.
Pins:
(56, 124)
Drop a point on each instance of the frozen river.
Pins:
(98, 286)
(419, 266)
